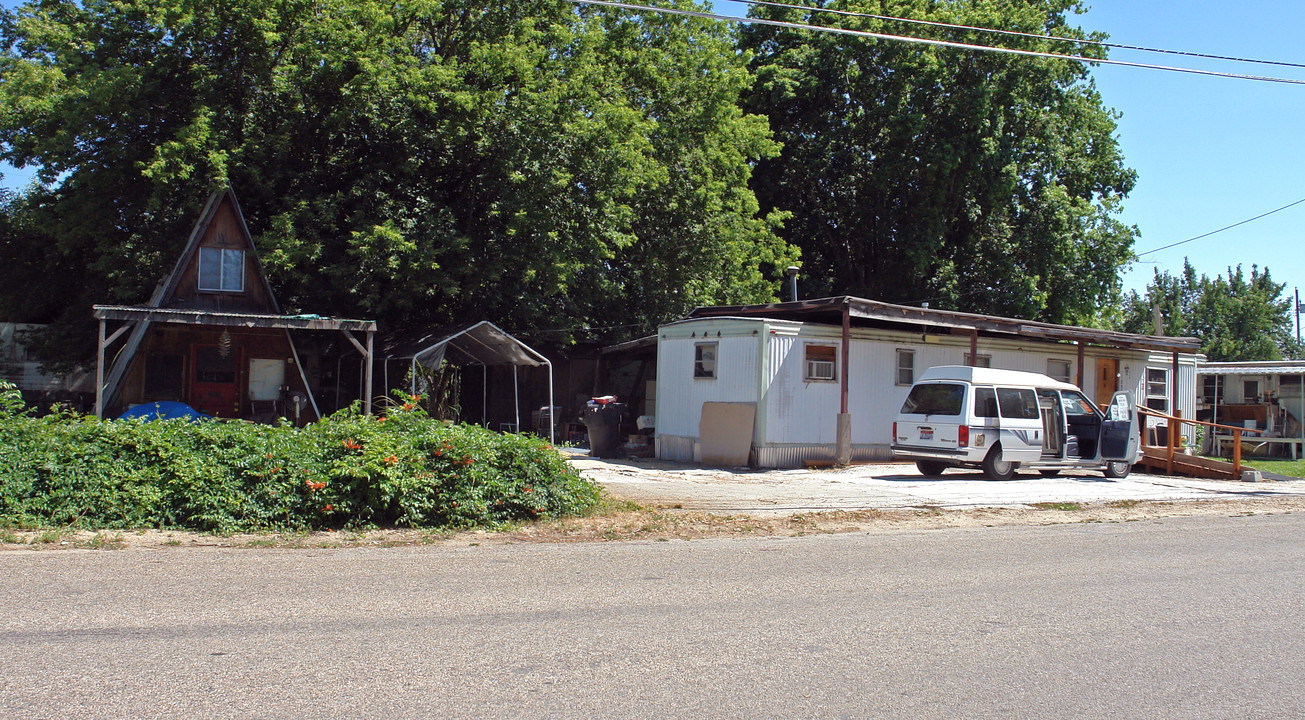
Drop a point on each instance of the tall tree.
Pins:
(973, 180)
(1239, 317)
(418, 161)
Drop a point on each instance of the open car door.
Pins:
(1119, 431)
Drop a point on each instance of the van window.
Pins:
(1075, 404)
(935, 399)
(985, 402)
(1018, 403)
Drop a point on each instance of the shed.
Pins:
(212, 335)
(482, 343)
(824, 378)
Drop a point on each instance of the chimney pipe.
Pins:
(792, 271)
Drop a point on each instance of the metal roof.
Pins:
(482, 343)
(135, 313)
(1259, 367)
(874, 313)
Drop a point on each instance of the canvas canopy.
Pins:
(482, 343)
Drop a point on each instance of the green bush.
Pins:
(350, 470)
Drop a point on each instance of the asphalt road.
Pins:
(1172, 618)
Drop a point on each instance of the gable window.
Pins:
(704, 359)
(1157, 389)
(820, 362)
(905, 367)
(221, 270)
(1058, 369)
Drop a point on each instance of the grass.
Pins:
(1064, 506)
(1290, 468)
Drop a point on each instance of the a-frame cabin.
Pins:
(212, 336)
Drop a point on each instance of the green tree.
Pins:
(973, 180)
(418, 162)
(1239, 317)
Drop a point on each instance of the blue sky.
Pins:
(1209, 152)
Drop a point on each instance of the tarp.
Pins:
(164, 410)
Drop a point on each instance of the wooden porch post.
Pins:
(844, 424)
(99, 374)
(1080, 365)
(367, 382)
(974, 348)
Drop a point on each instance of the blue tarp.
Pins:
(165, 410)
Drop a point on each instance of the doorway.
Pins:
(215, 380)
(1107, 379)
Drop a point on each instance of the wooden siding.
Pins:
(224, 231)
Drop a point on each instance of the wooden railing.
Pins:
(1175, 429)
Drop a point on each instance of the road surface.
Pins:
(1174, 618)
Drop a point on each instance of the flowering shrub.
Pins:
(404, 469)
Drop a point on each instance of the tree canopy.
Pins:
(538, 164)
(972, 180)
(1236, 318)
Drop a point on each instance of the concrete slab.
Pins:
(889, 486)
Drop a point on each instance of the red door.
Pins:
(215, 380)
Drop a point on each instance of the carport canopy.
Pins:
(482, 343)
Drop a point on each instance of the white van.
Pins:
(1001, 420)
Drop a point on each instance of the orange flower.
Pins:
(391, 460)
(328, 508)
(380, 419)
(351, 444)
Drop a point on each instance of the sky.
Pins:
(1209, 152)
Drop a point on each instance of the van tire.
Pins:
(931, 467)
(1117, 470)
(996, 468)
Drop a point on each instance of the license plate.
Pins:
(926, 433)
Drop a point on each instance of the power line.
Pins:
(1214, 232)
(934, 43)
(1014, 33)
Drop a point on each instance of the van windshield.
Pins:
(934, 399)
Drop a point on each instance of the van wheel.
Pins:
(1117, 469)
(996, 468)
(931, 467)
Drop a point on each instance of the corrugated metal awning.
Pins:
(1269, 367)
(875, 313)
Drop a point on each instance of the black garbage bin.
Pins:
(604, 424)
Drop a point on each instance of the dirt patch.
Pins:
(625, 521)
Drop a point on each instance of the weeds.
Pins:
(1062, 506)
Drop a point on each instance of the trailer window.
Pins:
(704, 360)
(1018, 403)
(935, 399)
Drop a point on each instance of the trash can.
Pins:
(604, 424)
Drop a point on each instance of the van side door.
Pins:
(1021, 424)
